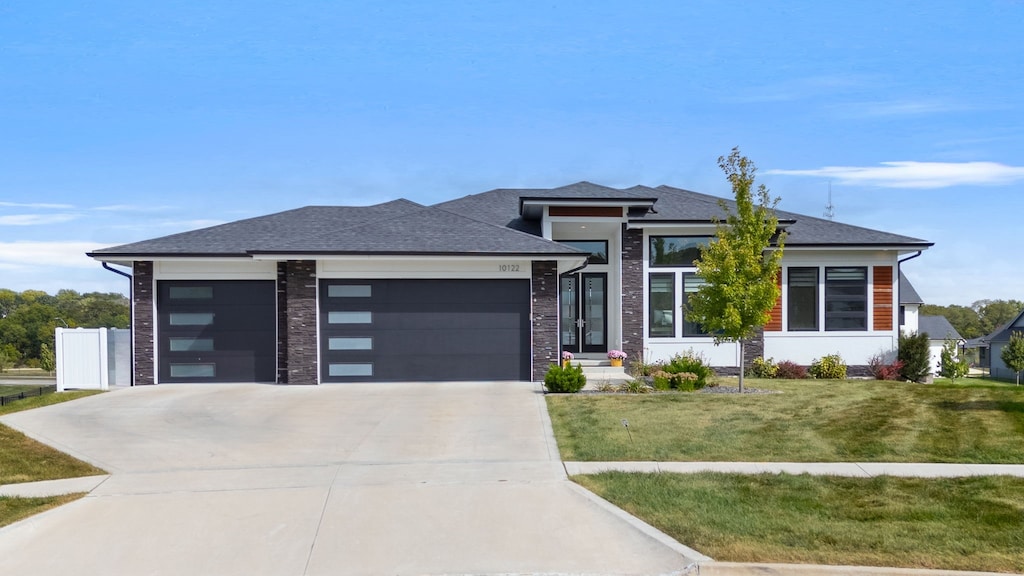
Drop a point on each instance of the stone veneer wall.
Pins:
(632, 292)
(544, 317)
(300, 341)
(282, 322)
(142, 324)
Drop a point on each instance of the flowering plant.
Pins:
(616, 354)
(566, 355)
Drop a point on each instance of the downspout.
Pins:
(131, 327)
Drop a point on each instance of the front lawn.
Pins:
(959, 524)
(809, 421)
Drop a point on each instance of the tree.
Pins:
(915, 356)
(952, 364)
(47, 361)
(1013, 353)
(738, 266)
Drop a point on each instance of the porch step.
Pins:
(601, 372)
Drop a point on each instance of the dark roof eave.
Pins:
(782, 222)
(628, 200)
(151, 255)
(577, 254)
(908, 245)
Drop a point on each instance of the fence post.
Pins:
(58, 355)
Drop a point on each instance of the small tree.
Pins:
(952, 363)
(915, 356)
(737, 266)
(1013, 353)
(5, 361)
(46, 358)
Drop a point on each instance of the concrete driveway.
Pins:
(440, 478)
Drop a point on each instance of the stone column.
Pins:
(300, 341)
(544, 317)
(282, 322)
(143, 332)
(632, 293)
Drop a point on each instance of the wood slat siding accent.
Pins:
(775, 321)
(598, 211)
(882, 292)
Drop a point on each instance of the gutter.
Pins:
(131, 318)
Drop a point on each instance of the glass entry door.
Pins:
(583, 318)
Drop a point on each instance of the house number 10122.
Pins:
(508, 267)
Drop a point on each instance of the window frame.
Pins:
(573, 243)
(830, 296)
(650, 303)
(790, 299)
(691, 329)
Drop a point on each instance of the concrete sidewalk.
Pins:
(854, 469)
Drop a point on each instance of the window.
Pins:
(340, 343)
(349, 291)
(350, 369)
(691, 284)
(190, 292)
(598, 249)
(846, 298)
(193, 370)
(676, 250)
(662, 300)
(190, 344)
(344, 317)
(803, 299)
(191, 318)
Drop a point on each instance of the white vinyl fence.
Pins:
(93, 358)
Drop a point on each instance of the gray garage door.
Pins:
(424, 330)
(217, 331)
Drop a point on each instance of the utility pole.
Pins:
(830, 209)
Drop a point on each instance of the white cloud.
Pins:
(131, 208)
(911, 174)
(899, 108)
(180, 225)
(35, 219)
(67, 254)
(37, 205)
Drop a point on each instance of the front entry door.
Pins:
(583, 320)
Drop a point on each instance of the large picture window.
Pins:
(803, 299)
(598, 249)
(676, 250)
(846, 298)
(661, 323)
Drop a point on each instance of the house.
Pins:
(910, 305)
(996, 341)
(489, 286)
(938, 330)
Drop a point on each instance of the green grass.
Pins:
(810, 421)
(14, 509)
(22, 459)
(959, 524)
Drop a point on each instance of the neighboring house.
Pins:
(910, 304)
(996, 341)
(938, 329)
(490, 286)
(978, 351)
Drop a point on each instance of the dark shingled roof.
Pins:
(1002, 334)
(908, 295)
(486, 223)
(937, 328)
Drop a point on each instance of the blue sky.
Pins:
(125, 121)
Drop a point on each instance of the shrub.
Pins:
(829, 367)
(634, 387)
(883, 370)
(762, 368)
(915, 357)
(685, 381)
(568, 379)
(693, 363)
(790, 371)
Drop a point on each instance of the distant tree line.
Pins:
(978, 319)
(28, 319)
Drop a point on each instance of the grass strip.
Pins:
(13, 509)
(808, 421)
(955, 524)
(23, 459)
